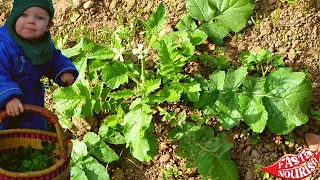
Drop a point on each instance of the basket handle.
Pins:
(50, 116)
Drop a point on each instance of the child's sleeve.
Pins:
(8, 88)
(60, 65)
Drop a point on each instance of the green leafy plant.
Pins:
(87, 155)
(314, 113)
(174, 172)
(254, 137)
(259, 101)
(28, 159)
(262, 62)
(219, 18)
(260, 92)
(208, 153)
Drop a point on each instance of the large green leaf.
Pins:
(135, 123)
(216, 81)
(79, 150)
(75, 50)
(94, 170)
(111, 135)
(77, 173)
(210, 154)
(99, 148)
(233, 14)
(158, 18)
(287, 101)
(229, 109)
(81, 63)
(186, 24)
(151, 85)
(126, 93)
(251, 105)
(198, 37)
(234, 79)
(199, 10)
(192, 89)
(171, 59)
(114, 74)
(216, 31)
(69, 101)
(85, 166)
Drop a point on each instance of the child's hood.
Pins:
(19, 6)
(39, 52)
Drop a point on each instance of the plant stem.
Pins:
(143, 69)
(133, 78)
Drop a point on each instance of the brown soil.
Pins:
(278, 26)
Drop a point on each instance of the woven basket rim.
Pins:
(34, 174)
(31, 131)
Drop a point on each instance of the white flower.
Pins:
(118, 53)
(140, 51)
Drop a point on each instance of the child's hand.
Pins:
(67, 78)
(14, 107)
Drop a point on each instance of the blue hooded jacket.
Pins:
(20, 78)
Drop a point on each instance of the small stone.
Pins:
(88, 4)
(248, 150)
(278, 44)
(269, 147)
(272, 2)
(242, 47)
(130, 4)
(156, 157)
(264, 32)
(165, 157)
(249, 175)
(77, 3)
(274, 155)
(255, 154)
(191, 172)
(255, 49)
(113, 6)
(292, 55)
(295, 43)
(212, 47)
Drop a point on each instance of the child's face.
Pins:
(33, 23)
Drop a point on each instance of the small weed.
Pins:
(315, 114)
(289, 139)
(256, 22)
(254, 137)
(258, 169)
(276, 18)
(174, 172)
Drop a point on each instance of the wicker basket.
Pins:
(11, 139)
